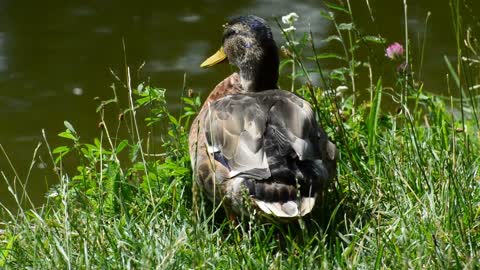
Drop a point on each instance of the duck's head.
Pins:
(248, 44)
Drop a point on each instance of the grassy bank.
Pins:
(407, 193)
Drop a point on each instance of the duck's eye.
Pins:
(229, 33)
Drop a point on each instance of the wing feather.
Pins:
(252, 131)
(235, 126)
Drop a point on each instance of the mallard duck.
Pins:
(254, 146)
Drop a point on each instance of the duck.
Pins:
(255, 148)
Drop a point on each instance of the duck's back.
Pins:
(270, 144)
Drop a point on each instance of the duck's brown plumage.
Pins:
(253, 147)
(204, 166)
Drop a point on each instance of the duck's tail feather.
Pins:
(281, 199)
(288, 209)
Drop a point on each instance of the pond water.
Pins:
(56, 56)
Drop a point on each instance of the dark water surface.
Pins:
(55, 58)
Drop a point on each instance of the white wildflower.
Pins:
(52, 194)
(338, 92)
(292, 43)
(290, 29)
(290, 18)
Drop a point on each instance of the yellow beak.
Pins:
(216, 58)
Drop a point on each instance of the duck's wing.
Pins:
(272, 140)
(234, 130)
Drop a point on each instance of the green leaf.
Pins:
(332, 37)
(97, 143)
(135, 151)
(6, 250)
(173, 119)
(61, 149)
(188, 101)
(336, 7)
(143, 101)
(372, 120)
(121, 146)
(68, 135)
(188, 113)
(452, 71)
(346, 26)
(374, 39)
(69, 126)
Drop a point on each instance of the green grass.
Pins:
(407, 193)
